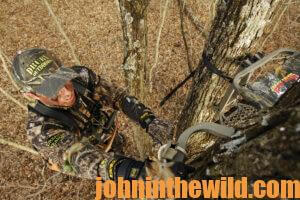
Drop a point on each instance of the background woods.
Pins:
(140, 44)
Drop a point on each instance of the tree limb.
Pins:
(134, 28)
(62, 31)
(44, 186)
(6, 69)
(181, 8)
(192, 18)
(275, 25)
(157, 43)
(13, 99)
(7, 59)
(18, 146)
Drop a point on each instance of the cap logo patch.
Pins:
(38, 65)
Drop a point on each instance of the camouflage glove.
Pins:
(160, 131)
(137, 111)
(127, 168)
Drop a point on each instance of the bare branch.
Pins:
(213, 5)
(275, 24)
(118, 5)
(62, 31)
(13, 99)
(44, 186)
(157, 43)
(2, 56)
(18, 146)
(181, 8)
(193, 19)
(5, 56)
(6, 69)
(67, 3)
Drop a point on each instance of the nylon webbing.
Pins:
(58, 114)
(65, 117)
(213, 69)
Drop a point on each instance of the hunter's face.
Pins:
(65, 97)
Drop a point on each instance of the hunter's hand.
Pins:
(137, 111)
(160, 130)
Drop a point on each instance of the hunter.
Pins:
(67, 123)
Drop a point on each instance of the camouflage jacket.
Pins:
(73, 152)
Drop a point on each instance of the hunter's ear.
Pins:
(31, 95)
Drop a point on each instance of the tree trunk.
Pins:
(134, 26)
(267, 152)
(236, 30)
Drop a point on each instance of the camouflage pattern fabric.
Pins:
(161, 132)
(73, 152)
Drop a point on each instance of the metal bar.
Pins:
(248, 94)
(210, 127)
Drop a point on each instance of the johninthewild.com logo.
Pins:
(225, 187)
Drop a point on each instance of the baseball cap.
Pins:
(39, 71)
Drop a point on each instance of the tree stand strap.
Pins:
(207, 63)
(177, 87)
(213, 69)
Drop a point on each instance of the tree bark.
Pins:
(236, 30)
(268, 152)
(134, 26)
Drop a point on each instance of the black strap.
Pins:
(207, 63)
(58, 114)
(63, 116)
(129, 169)
(177, 87)
(79, 87)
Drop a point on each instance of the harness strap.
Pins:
(63, 116)
(58, 114)
(213, 69)
(66, 117)
(210, 67)
(80, 88)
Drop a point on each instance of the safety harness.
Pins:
(97, 119)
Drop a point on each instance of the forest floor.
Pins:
(94, 29)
